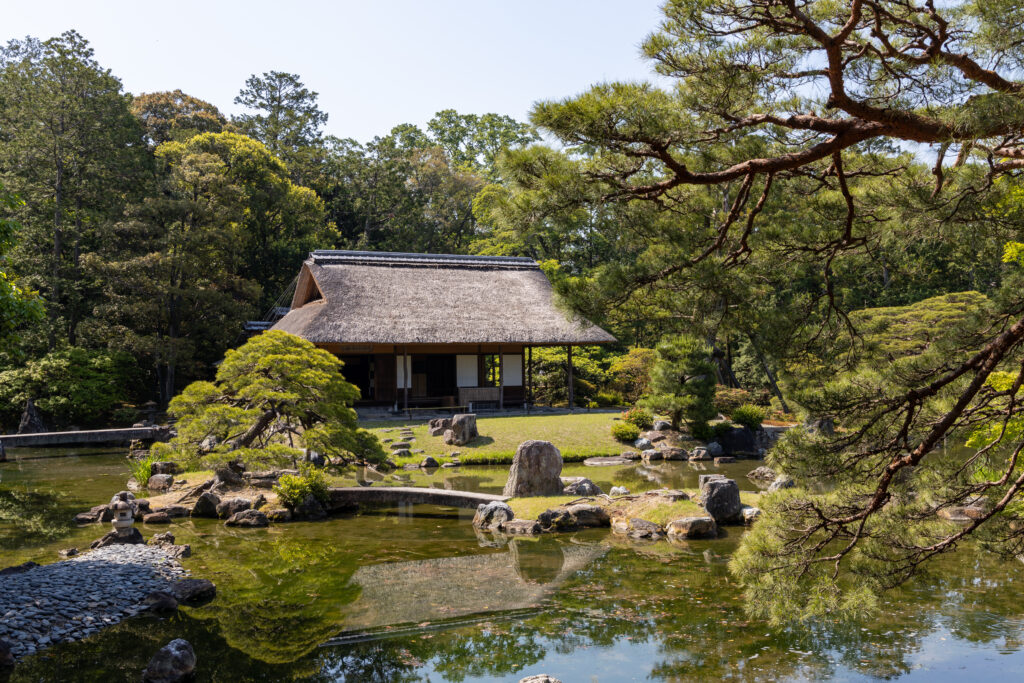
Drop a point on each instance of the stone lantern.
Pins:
(123, 521)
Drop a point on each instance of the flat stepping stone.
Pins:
(607, 461)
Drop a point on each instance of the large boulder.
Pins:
(439, 425)
(160, 482)
(762, 474)
(167, 467)
(582, 487)
(588, 515)
(193, 591)
(739, 441)
(174, 662)
(491, 515)
(252, 519)
(310, 509)
(206, 505)
(721, 499)
(232, 506)
(693, 527)
(462, 430)
(535, 470)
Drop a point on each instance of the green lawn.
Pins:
(578, 436)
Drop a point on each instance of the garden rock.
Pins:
(160, 482)
(673, 453)
(619, 491)
(251, 519)
(535, 469)
(739, 441)
(521, 526)
(310, 508)
(491, 515)
(167, 467)
(651, 454)
(193, 591)
(279, 515)
(763, 474)
(462, 430)
(693, 527)
(160, 601)
(750, 514)
(156, 518)
(721, 499)
(642, 444)
(587, 515)
(206, 505)
(558, 519)
(174, 662)
(662, 426)
(783, 481)
(232, 506)
(582, 487)
(133, 537)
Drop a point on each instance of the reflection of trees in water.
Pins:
(32, 516)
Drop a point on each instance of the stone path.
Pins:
(72, 599)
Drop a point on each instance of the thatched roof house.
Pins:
(460, 323)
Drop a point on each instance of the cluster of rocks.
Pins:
(42, 605)
(457, 430)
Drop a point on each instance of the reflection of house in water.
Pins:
(447, 587)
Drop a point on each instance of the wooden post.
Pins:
(529, 376)
(501, 380)
(572, 397)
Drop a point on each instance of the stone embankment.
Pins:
(41, 605)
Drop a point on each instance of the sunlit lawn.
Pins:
(577, 436)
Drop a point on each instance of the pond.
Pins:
(384, 596)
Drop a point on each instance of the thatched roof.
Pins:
(358, 297)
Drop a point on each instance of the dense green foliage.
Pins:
(272, 397)
(73, 386)
(683, 383)
(625, 431)
(292, 489)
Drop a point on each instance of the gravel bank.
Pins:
(72, 599)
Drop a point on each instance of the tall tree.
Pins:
(286, 118)
(174, 115)
(73, 152)
(777, 145)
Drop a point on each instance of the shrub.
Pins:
(292, 490)
(607, 399)
(750, 416)
(728, 399)
(641, 418)
(625, 431)
(140, 469)
(720, 429)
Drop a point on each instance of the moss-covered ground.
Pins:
(578, 436)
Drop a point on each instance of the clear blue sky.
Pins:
(374, 63)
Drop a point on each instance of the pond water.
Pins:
(383, 596)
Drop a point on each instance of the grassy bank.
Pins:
(578, 436)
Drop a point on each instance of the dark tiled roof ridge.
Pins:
(328, 257)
